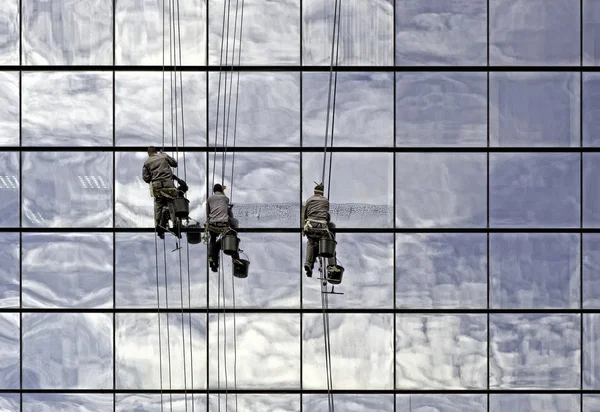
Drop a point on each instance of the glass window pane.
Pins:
(9, 107)
(273, 277)
(252, 403)
(65, 32)
(452, 352)
(268, 347)
(268, 109)
(270, 33)
(591, 270)
(67, 351)
(452, 32)
(591, 32)
(436, 271)
(55, 402)
(534, 190)
(535, 402)
(591, 349)
(368, 282)
(591, 109)
(441, 403)
(441, 189)
(534, 271)
(10, 403)
(138, 356)
(136, 267)
(362, 351)
(534, 109)
(145, 31)
(369, 203)
(142, 104)
(534, 351)
(591, 403)
(9, 189)
(135, 207)
(67, 109)
(441, 109)
(10, 351)
(266, 187)
(364, 109)
(534, 32)
(366, 32)
(9, 270)
(67, 189)
(152, 403)
(591, 196)
(9, 21)
(347, 402)
(67, 270)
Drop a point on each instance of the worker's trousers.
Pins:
(214, 245)
(164, 198)
(312, 244)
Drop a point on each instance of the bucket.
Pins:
(182, 207)
(194, 234)
(327, 247)
(336, 278)
(241, 270)
(230, 243)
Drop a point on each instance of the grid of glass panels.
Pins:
(464, 186)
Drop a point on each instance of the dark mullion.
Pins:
(295, 68)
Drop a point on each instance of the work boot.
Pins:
(308, 270)
(214, 264)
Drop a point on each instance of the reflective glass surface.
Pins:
(145, 29)
(441, 109)
(591, 109)
(534, 32)
(10, 373)
(9, 21)
(591, 351)
(9, 270)
(591, 32)
(10, 402)
(350, 403)
(591, 196)
(67, 270)
(59, 32)
(441, 403)
(534, 351)
(67, 109)
(9, 190)
(441, 33)
(535, 402)
(267, 106)
(148, 107)
(270, 34)
(366, 32)
(253, 402)
(55, 402)
(440, 190)
(364, 109)
(447, 270)
(67, 189)
(591, 270)
(534, 109)
(370, 201)
(534, 190)
(9, 108)
(591, 403)
(158, 403)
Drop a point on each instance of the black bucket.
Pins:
(327, 247)
(194, 234)
(182, 207)
(241, 270)
(230, 244)
(336, 277)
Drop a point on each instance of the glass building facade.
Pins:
(464, 186)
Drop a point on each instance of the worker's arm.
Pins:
(207, 210)
(172, 162)
(146, 174)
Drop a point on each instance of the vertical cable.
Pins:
(487, 235)
(160, 370)
(301, 75)
(114, 4)
(206, 170)
(168, 327)
(581, 195)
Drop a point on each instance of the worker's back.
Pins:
(317, 208)
(158, 168)
(217, 208)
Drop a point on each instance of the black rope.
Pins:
(168, 327)
(225, 95)
(159, 328)
(234, 342)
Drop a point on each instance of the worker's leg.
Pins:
(332, 261)
(312, 246)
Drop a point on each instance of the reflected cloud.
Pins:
(143, 30)
(365, 361)
(253, 403)
(534, 109)
(9, 190)
(441, 403)
(441, 352)
(143, 104)
(9, 21)
(591, 32)
(441, 190)
(268, 108)
(138, 355)
(9, 351)
(591, 349)
(364, 109)
(451, 33)
(591, 403)
(349, 403)
(67, 270)
(9, 105)
(591, 270)
(10, 403)
(534, 190)
(534, 351)
(67, 32)
(591, 196)
(535, 402)
(590, 107)
(152, 403)
(441, 271)
(366, 32)
(61, 402)
(9, 270)
(534, 32)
